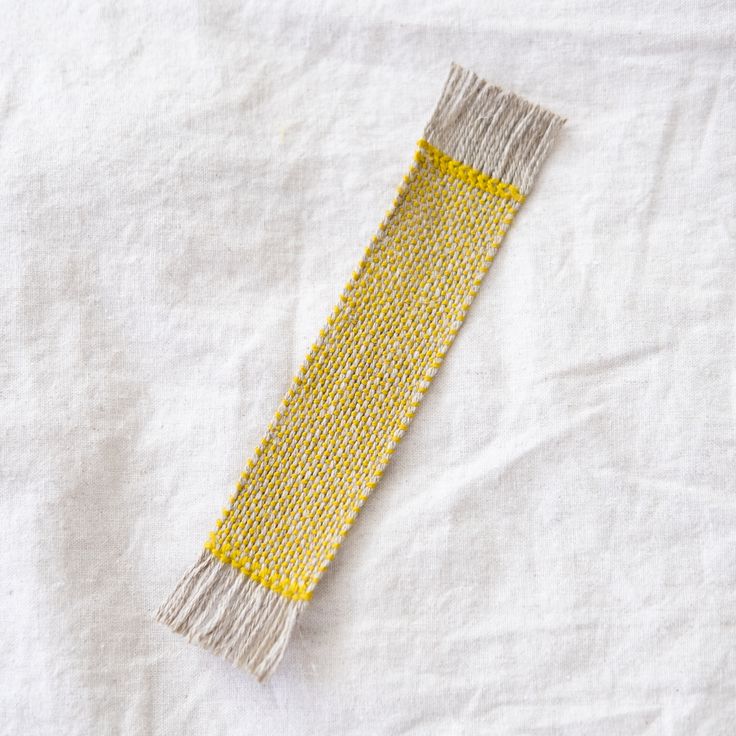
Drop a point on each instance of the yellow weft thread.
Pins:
(363, 379)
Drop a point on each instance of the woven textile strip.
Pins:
(363, 379)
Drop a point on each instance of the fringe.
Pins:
(225, 611)
(490, 129)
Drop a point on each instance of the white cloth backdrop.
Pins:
(185, 190)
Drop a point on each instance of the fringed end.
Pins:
(490, 129)
(223, 610)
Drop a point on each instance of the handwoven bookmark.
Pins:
(364, 377)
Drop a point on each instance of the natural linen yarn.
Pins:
(364, 377)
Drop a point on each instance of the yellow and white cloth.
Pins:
(364, 377)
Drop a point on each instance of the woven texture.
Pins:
(363, 379)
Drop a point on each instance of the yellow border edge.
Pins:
(262, 575)
(468, 174)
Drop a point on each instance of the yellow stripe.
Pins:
(470, 175)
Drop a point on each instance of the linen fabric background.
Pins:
(186, 189)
